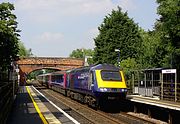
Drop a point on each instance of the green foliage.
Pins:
(160, 47)
(23, 52)
(78, 53)
(33, 74)
(153, 51)
(169, 27)
(8, 35)
(117, 31)
(128, 66)
(170, 19)
(82, 53)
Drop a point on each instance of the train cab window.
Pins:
(111, 75)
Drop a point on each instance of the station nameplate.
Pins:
(169, 71)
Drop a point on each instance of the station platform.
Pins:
(32, 107)
(155, 101)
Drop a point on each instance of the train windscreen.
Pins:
(111, 75)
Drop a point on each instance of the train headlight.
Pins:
(122, 90)
(103, 89)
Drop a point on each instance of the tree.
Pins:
(128, 66)
(117, 31)
(78, 53)
(153, 52)
(82, 53)
(169, 27)
(8, 35)
(23, 52)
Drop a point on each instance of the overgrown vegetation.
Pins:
(11, 48)
(8, 35)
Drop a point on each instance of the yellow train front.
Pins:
(109, 83)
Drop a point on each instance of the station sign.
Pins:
(169, 71)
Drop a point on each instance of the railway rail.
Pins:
(90, 115)
(85, 112)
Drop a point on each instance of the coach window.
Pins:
(91, 78)
(61, 78)
(52, 78)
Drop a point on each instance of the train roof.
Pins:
(92, 67)
(53, 73)
(97, 67)
(58, 72)
(105, 67)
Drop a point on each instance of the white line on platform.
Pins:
(68, 116)
(164, 105)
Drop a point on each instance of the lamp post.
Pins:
(117, 50)
(86, 60)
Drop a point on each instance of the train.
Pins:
(92, 85)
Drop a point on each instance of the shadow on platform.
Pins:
(23, 111)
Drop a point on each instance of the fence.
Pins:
(8, 89)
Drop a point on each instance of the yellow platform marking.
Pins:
(36, 107)
(50, 118)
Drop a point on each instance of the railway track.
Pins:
(96, 116)
(91, 115)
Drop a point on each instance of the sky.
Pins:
(54, 28)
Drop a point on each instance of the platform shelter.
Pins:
(157, 82)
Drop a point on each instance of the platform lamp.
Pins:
(117, 50)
